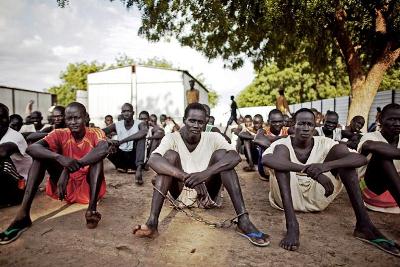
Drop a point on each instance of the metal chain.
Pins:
(194, 216)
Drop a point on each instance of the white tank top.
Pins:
(122, 133)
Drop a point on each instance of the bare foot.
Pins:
(92, 218)
(139, 177)
(142, 230)
(291, 240)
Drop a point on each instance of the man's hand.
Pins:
(326, 183)
(197, 178)
(72, 165)
(315, 169)
(201, 190)
(62, 184)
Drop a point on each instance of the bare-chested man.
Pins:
(309, 172)
(74, 159)
(191, 165)
(380, 179)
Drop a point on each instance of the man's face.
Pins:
(35, 118)
(248, 122)
(304, 126)
(108, 121)
(356, 125)
(276, 123)
(191, 83)
(4, 119)
(211, 120)
(58, 118)
(153, 121)
(195, 121)
(331, 122)
(127, 112)
(144, 118)
(75, 119)
(15, 124)
(257, 123)
(390, 122)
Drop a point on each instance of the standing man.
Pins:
(74, 159)
(233, 117)
(192, 95)
(130, 146)
(309, 172)
(191, 165)
(281, 103)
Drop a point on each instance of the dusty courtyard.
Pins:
(59, 237)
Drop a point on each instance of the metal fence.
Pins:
(341, 105)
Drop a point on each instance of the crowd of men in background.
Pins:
(307, 157)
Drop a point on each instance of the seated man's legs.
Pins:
(10, 193)
(262, 170)
(251, 153)
(381, 176)
(94, 178)
(164, 184)
(139, 147)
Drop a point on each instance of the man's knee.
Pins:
(218, 155)
(172, 156)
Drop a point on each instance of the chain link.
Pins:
(196, 217)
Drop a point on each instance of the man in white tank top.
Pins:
(129, 148)
(330, 129)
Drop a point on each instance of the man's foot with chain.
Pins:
(247, 228)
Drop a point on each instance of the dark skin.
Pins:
(338, 161)
(36, 120)
(248, 138)
(16, 124)
(171, 177)
(9, 148)
(276, 123)
(331, 123)
(381, 174)
(75, 121)
(353, 132)
(59, 122)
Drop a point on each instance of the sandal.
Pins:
(258, 239)
(11, 234)
(389, 246)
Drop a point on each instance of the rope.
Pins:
(194, 216)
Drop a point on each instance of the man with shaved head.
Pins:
(73, 157)
(309, 172)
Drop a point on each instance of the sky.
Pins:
(38, 39)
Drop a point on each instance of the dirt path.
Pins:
(59, 237)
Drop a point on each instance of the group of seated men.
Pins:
(192, 164)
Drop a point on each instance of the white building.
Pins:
(157, 90)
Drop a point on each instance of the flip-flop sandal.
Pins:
(11, 234)
(93, 220)
(380, 241)
(139, 227)
(254, 237)
(131, 171)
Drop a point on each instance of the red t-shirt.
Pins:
(61, 141)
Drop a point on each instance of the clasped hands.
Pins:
(197, 181)
(316, 172)
(69, 165)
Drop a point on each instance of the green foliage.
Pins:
(212, 98)
(301, 84)
(391, 80)
(123, 60)
(74, 78)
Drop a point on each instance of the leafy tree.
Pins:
(74, 78)
(366, 34)
(123, 60)
(299, 82)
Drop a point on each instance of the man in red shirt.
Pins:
(74, 159)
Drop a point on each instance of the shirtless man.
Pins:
(281, 103)
(306, 176)
(192, 95)
(129, 150)
(191, 165)
(233, 116)
(74, 159)
(380, 179)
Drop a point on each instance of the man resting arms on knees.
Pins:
(309, 172)
(380, 179)
(191, 165)
(74, 159)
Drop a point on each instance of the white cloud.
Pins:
(36, 40)
(66, 51)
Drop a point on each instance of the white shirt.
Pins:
(337, 133)
(122, 133)
(21, 160)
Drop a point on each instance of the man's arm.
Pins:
(384, 150)
(158, 133)
(261, 140)
(98, 153)
(162, 166)
(228, 162)
(280, 160)
(143, 130)
(33, 137)
(216, 130)
(7, 149)
(246, 136)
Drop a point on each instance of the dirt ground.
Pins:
(59, 237)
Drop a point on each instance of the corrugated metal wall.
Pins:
(342, 108)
